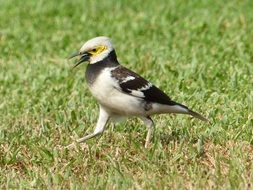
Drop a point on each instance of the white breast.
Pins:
(107, 92)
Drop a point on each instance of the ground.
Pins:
(199, 52)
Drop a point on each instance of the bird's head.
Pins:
(94, 50)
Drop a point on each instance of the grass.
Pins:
(199, 52)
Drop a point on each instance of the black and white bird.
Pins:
(120, 91)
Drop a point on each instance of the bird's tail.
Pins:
(197, 115)
(185, 110)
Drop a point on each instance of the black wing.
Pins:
(133, 84)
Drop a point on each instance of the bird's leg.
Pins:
(150, 125)
(100, 127)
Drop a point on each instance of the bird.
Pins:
(120, 92)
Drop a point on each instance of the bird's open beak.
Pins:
(83, 57)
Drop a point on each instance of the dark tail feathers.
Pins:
(197, 115)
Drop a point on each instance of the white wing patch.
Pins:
(137, 93)
(128, 78)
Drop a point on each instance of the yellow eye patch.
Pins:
(97, 50)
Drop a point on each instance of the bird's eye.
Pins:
(93, 50)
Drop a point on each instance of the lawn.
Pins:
(199, 52)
